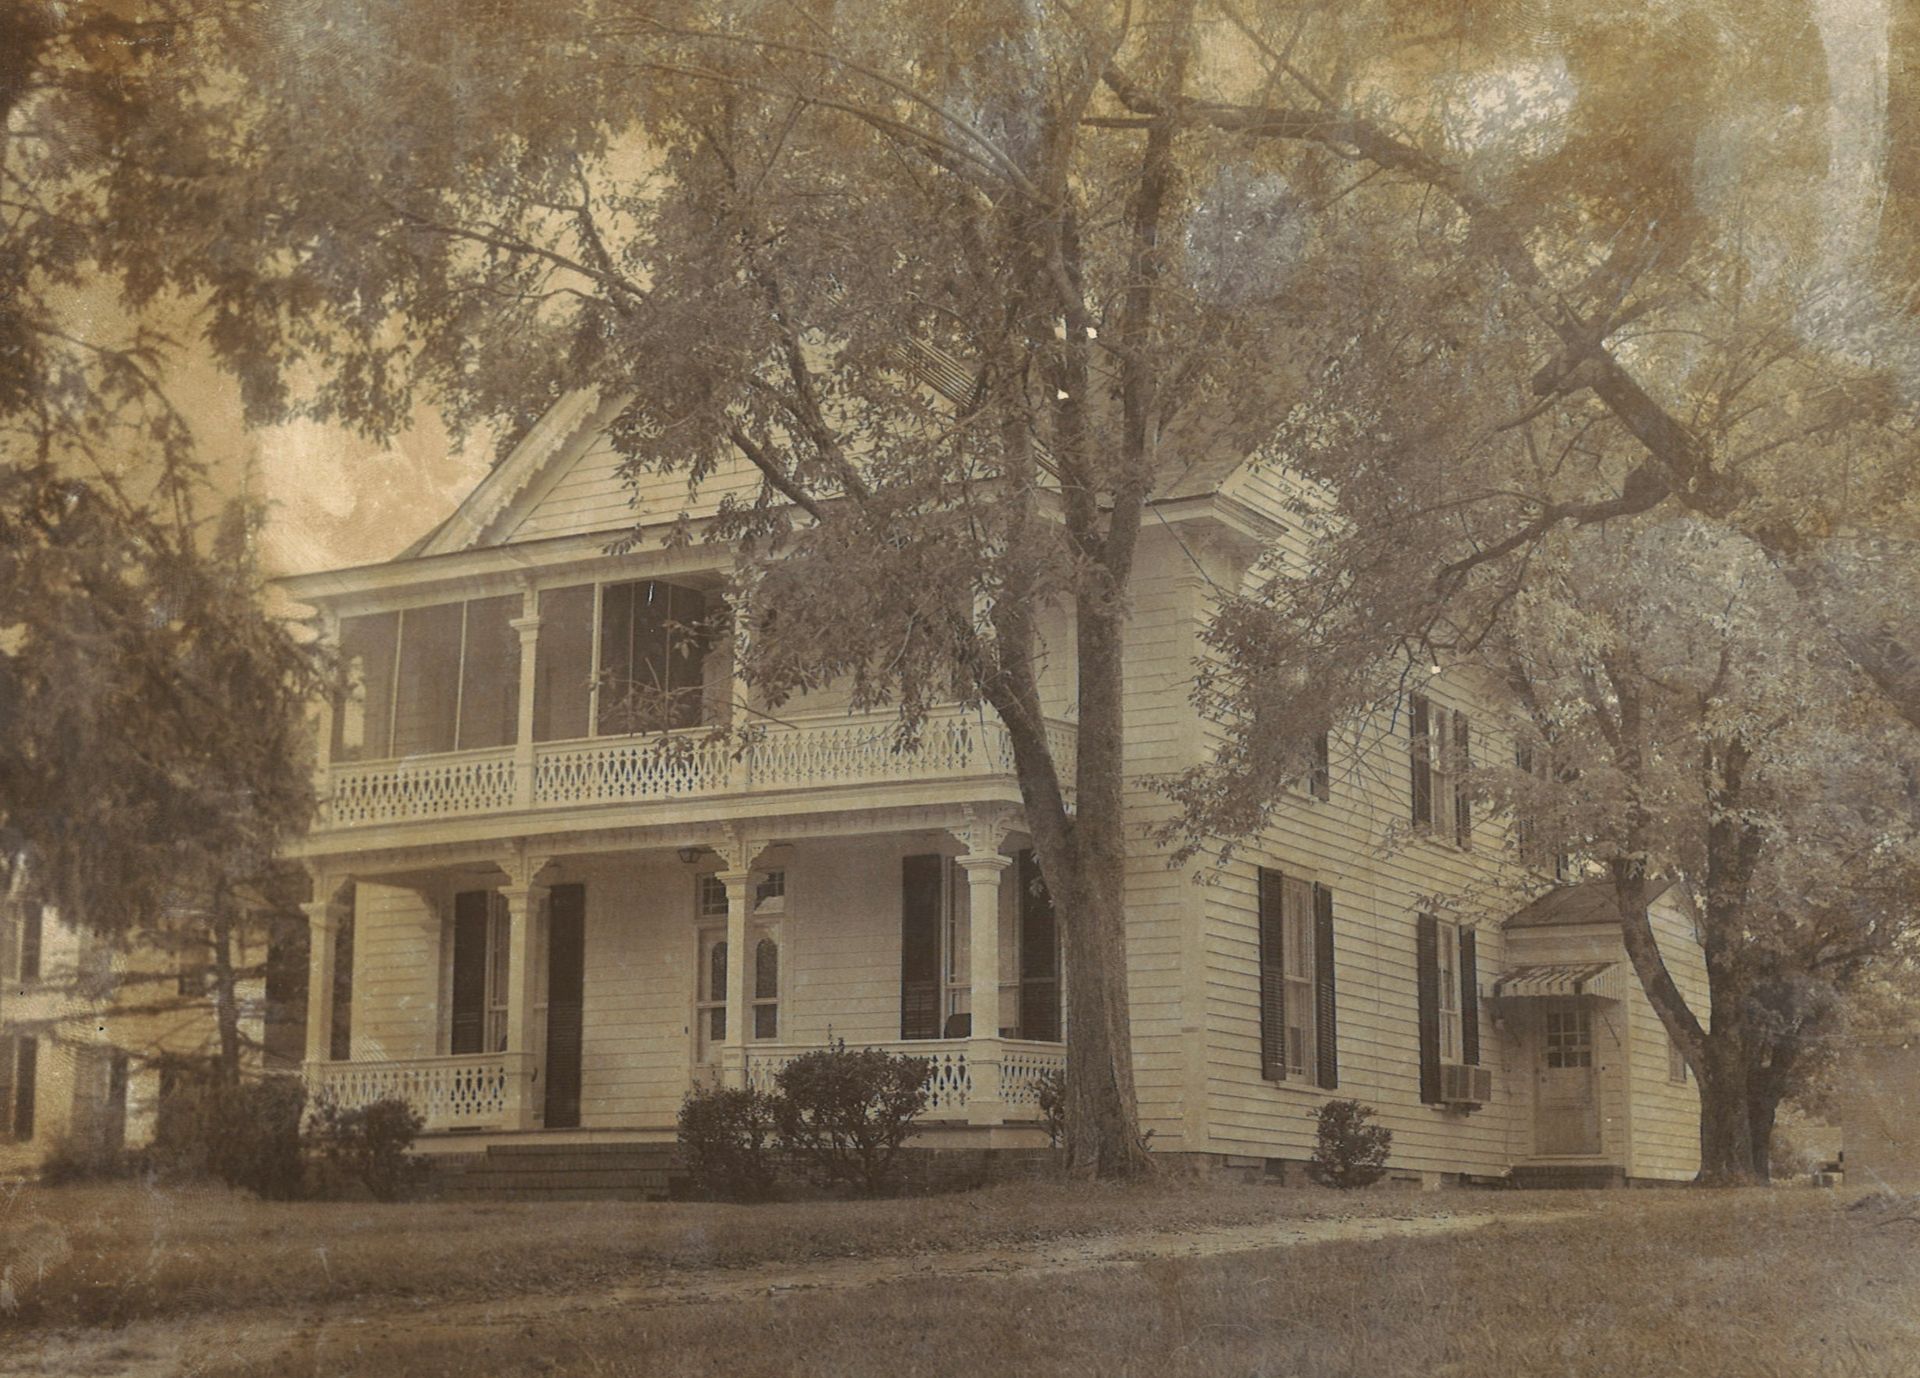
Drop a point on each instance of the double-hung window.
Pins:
(1297, 1001)
(1441, 756)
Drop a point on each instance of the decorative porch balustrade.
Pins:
(1022, 1067)
(819, 754)
(466, 1092)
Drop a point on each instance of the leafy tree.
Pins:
(1697, 728)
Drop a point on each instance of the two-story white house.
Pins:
(559, 924)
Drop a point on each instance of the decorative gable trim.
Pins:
(547, 450)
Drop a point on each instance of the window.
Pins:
(1569, 1036)
(1297, 1034)
(424, 680)
(1441, 756)
(1447, 985)
(1676, 1063)
(1320, 778)
(32, 932)
(710, 992)
(482, 956)
(766, 987)
(1447, 954)
(957, 972)
(651, 671)
(770, 893)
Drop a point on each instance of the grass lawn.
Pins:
(110, 1254)
(1710, 1284)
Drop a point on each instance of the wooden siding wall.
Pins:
(591, 496)
(1666, 1114)
(397, 995)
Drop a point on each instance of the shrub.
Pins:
(727, 1139)
(81, 1160)
(370, 1143)
(1787, 1161)
(1349, 1152)
(847, 1113)
(246, 1135)
(1050, 1095)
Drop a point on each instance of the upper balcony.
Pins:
(783, 759)
(597, 704)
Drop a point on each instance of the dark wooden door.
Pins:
(566, 982)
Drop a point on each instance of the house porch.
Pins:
(577, 994)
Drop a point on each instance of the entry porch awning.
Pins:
(1561, 980)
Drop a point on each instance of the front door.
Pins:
(1566, 1106)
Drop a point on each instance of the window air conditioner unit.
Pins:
(1462, 1085)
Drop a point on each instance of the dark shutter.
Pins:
(469, 971)
(1321, 781)
(116, 1126)
(920, 946)
(1469, 1000)
(1422, 757)
(1273, 977)
(1462, 787)
(341, 1047)
(1039, 955)
(566, 983)
(24, 1082)
(8, 1056)
(32, 924)
(1326, 1021)
(1426, 948)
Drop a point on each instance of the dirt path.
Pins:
(291, 1341)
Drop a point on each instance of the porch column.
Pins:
(523, 895)
(733, 1048)
(528, 625)
(322, 952)
(983, 871)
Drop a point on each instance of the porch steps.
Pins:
(560, 1172)
(1568, 1176)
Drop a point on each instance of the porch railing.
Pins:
(1023, 1064)
(465, 1092)
(808, 754)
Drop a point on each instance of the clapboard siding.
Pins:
(1666, 1114)
(592, 496)
(396, 973)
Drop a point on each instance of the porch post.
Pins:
(322, 951)
(733, 1048)
(983, 829)
(323, 721)
(523, 895)
(983, 871)
(528, 625)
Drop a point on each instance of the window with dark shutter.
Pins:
(1469, 999)
(1427, 984)
(470, 909)
(32, 929)
(1422, 759)
(1039, 954)
(25, 1082)
(1459, 767)
(920, 892)
(1273, 976)
(1326, 1041)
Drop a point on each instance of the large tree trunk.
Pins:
(1084, 860)
(1726, 1133)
